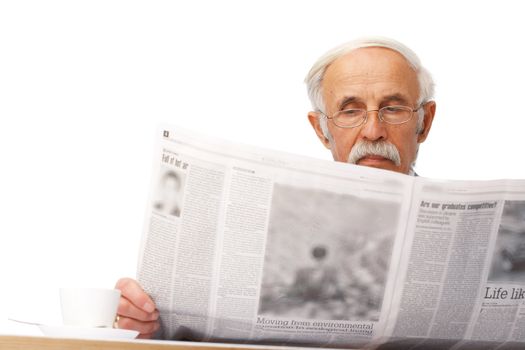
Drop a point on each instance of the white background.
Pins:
(83, 85)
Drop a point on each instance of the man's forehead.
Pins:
(383, 71)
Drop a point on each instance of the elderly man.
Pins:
(372, 106)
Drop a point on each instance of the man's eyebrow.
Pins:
(398, 98)
(348, 100)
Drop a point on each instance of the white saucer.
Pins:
(87, 333)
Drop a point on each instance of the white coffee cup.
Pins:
(89, 307)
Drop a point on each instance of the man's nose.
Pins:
(373, 129)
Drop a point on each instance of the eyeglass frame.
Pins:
(379, 115)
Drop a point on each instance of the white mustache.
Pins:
(378, 148)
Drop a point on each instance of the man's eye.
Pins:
(351, 113)
(391, 110)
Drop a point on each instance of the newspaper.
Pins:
(248, 245)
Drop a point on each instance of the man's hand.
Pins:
(136, 310)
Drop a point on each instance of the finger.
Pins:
(145, 336)
(132, 291)
(127, 309)
(141, 327)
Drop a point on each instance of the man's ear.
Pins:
(430, 111)
(314, 118)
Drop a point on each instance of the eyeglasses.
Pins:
(352, 118)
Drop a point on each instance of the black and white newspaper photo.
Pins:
(508, 260)
(327, 262)
(169, 192)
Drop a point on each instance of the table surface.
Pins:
(8, 342)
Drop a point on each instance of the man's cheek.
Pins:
(345, 153)
(343, 144)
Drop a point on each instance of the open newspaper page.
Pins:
(462, 279)
(242, 244)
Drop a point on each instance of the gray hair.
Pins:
(315, 77)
